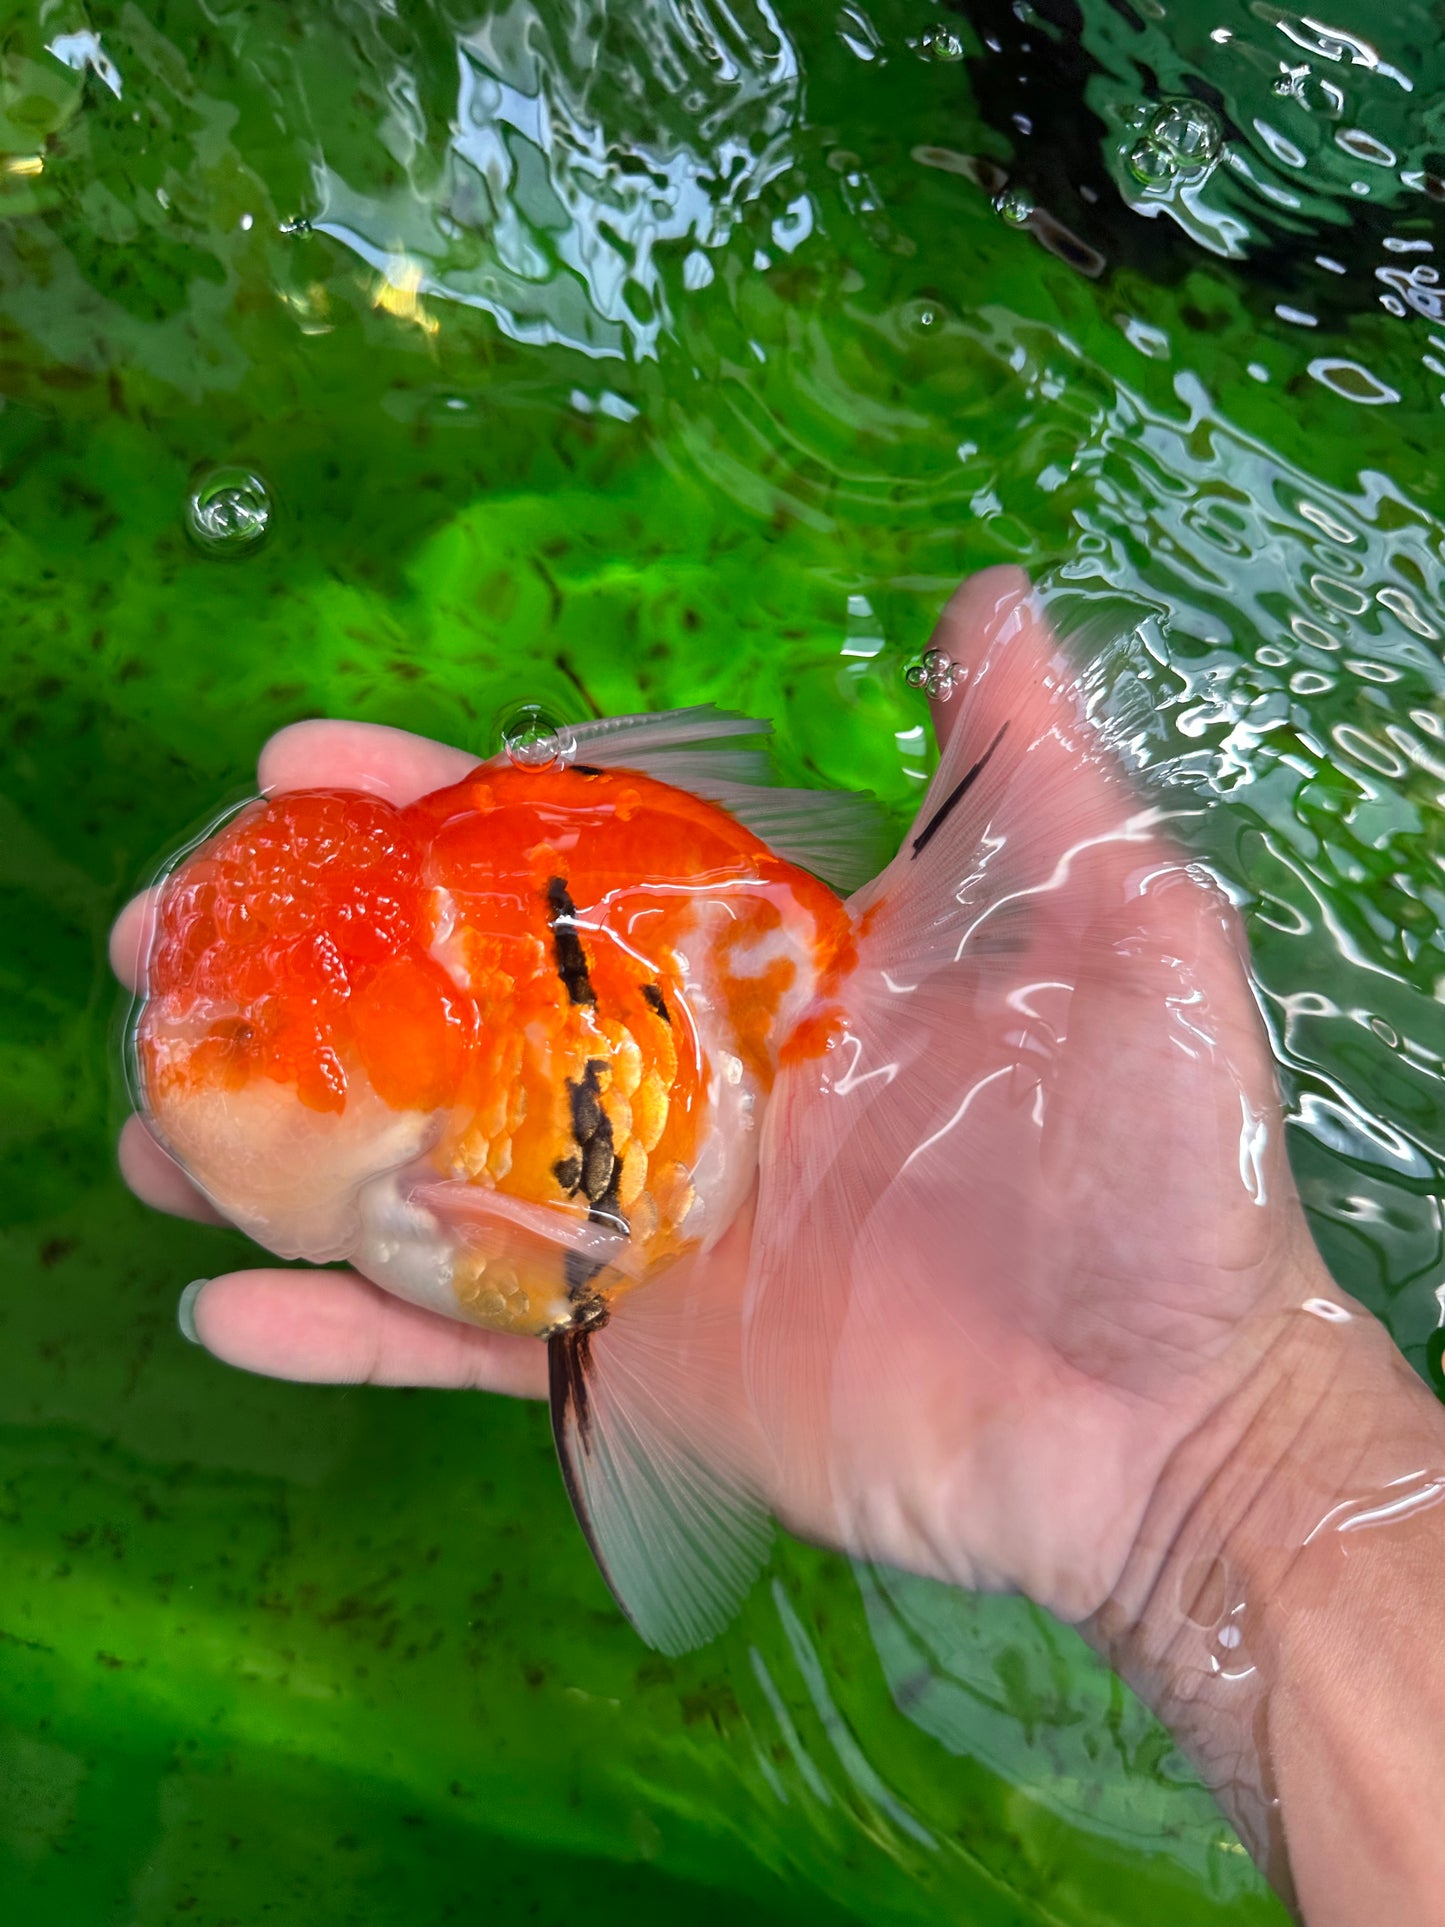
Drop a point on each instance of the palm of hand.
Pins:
(1084, 1272)
(980, 1362)
(1062, 1228)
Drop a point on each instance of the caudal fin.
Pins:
(1028, 795)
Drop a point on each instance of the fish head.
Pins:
(296, 1042)
(368, 1036)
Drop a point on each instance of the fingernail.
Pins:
(186, 1309)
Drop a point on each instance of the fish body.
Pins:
(505, 1049)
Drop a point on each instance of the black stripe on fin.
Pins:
(569, 1366)
(956, 795)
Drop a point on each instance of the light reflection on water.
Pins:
(540, 193)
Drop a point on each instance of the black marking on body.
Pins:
(599, 1167)
(652, 996)
(595, 1171)
(567, 945)
(955, 796)
(587, 769)
(568, 1173)
(588, 1116)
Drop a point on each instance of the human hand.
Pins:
(1045, 1230)
(1006, 1329)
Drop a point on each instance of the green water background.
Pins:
(616, 357)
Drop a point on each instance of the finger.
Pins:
(155, 1177)
(331, 1327)
(130, 939)
(360, 756)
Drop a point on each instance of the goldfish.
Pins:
(567, 1049)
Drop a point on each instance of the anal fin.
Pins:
(660, 1455)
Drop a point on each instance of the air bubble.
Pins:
(228, 511)
(1014, 205)
(1188, 130)
(533, 738)
(938, 675)
(942, 43)
(1181, 140)
(922, 317)
(1149, 164)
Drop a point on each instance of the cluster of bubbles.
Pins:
(533, 738)
(1180, 141)
(228, 511)
(938, 675)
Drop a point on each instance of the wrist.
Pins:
(1244, 1541)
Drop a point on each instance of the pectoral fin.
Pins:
(497, 1225)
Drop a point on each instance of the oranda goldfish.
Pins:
(512, 1052)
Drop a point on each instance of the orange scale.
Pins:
(752, 1004)
(414, 1032)
(614, 975)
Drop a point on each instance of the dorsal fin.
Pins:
(681, 746)
(840, 835)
